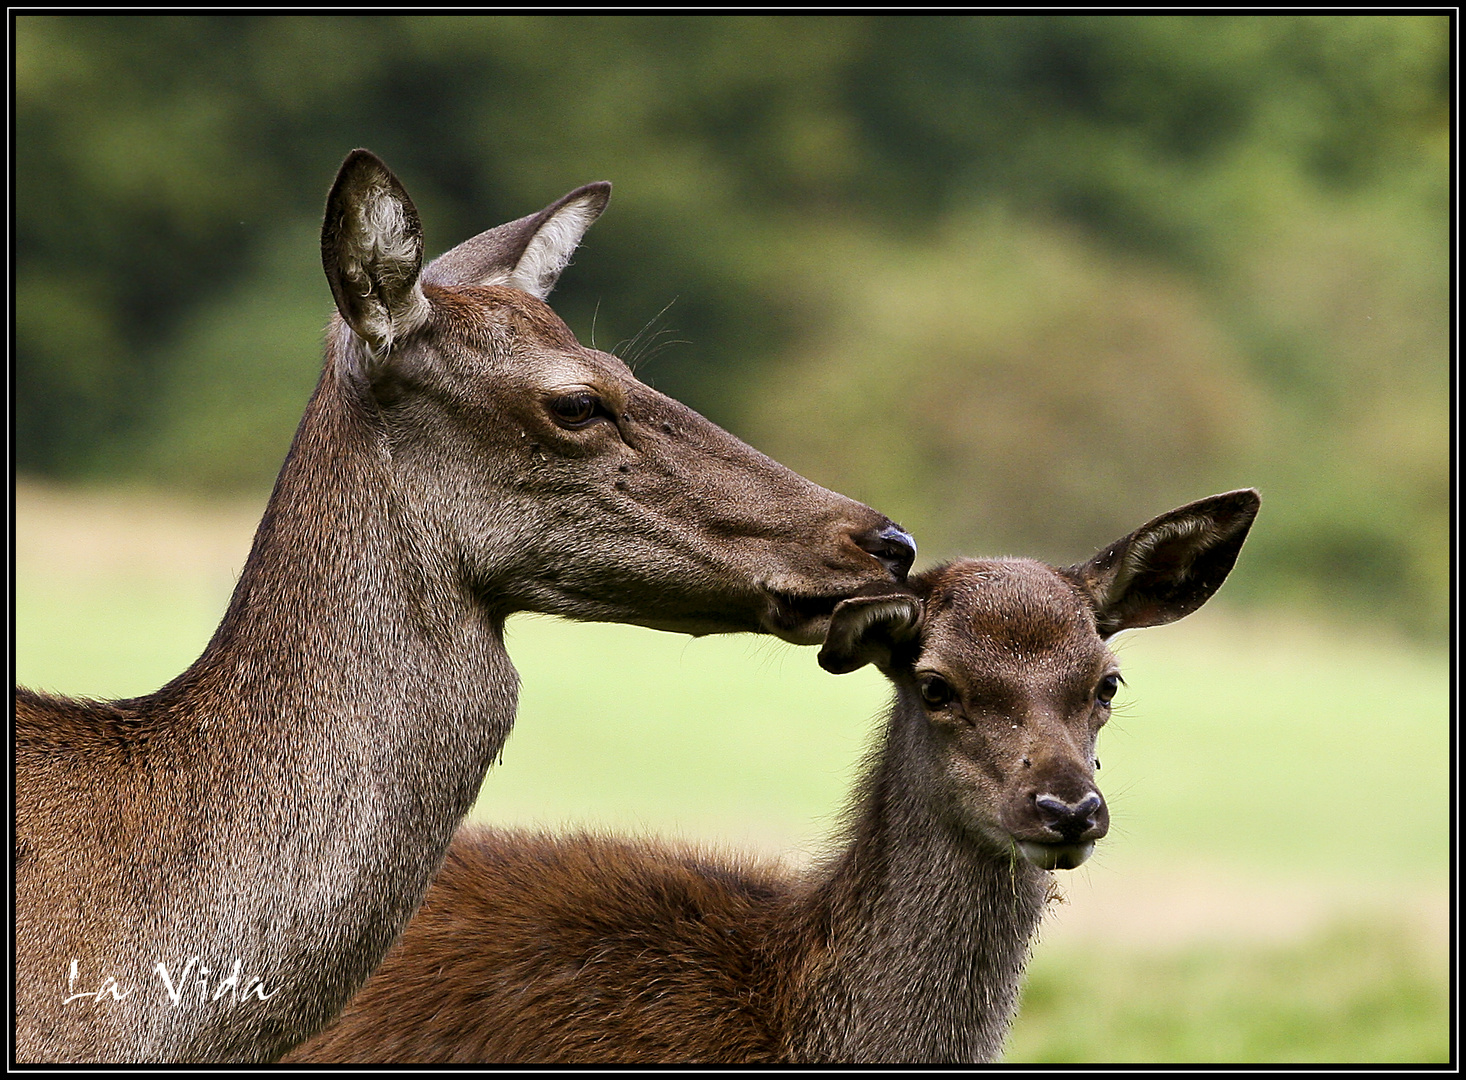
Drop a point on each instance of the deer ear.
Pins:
(371, 247)
(527, 254)
(868, 630)
(1168, 567)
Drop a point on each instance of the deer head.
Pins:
(1004, 678)
(541, 474)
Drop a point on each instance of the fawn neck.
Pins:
(927, 929)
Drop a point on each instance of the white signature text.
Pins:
(193, 981)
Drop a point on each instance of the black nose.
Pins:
(893, 546)
(1072, 821)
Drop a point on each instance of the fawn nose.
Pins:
(1082, 820)
(893, 546)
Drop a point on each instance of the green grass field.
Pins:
(1305, 769)
(1351, 992)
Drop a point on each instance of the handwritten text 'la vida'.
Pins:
(192, 984)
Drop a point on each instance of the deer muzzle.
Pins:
(1069, 830)
(803, 618)
(892, 546)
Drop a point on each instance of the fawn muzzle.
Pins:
(1070, 828)
(1082, 820)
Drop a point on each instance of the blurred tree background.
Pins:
(1020, 281)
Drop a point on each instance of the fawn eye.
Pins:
(1108, 687)
(935, 690)
(576, 410)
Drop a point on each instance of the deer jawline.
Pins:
(799, 619)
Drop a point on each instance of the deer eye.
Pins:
(1108, 687)
(576, 410)
(935, 691)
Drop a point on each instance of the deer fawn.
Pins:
(909, 944)
(209, 872)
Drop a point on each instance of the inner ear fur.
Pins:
(1170, 566)
(371, 250)
(529, 253)
(869, 630)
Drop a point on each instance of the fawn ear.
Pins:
(371, 247)
(1168, 567)
(527, 254)
(868, 630)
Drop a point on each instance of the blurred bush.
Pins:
(1021, 280)
(1014, 383)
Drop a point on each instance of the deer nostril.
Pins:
(1051, 805)
(893, 546)
(1069, 818)
(1087, 805)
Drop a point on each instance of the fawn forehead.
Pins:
(1015, 617)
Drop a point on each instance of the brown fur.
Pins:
(908, 945)
(639, 944)
(284, 803)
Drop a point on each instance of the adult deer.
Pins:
(208, 873)
(909, 945)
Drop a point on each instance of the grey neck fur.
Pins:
(928, 930)
(359, 733)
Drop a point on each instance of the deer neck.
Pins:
(330, 739)
(347, 634)
(926, 932)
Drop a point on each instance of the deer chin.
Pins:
(1055, 856)
(798, 619)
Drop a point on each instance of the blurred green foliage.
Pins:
(1021, 281)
